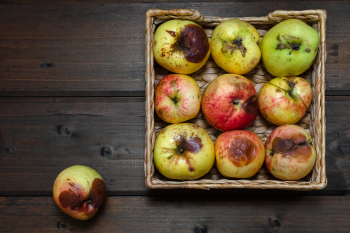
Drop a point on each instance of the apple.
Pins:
(239, 153)
(234, 46)
(79, 191)
(181, 46)
(177, 98)
(230, 102)
(290, 152)
(183, 152)
(284, 100)
(289, 48)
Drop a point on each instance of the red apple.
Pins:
(284, 100)
(239, 153)
(177, 98)
(79, 191)
(230, 102)
(290, 152)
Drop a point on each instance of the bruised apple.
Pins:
(177, 98)
(230, 102)
(181, 46)
(290, 152)
(183, 152)
(234, 46)
(284, 100)
(239, 153)
(79, 191)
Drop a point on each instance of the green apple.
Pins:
(181, 46)
(289, 48)
(284, 100)
(79, 191)
(234, 46)
(183, 151)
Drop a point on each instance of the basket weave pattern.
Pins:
(313, 121)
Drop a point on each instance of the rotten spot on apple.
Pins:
(241, 151)
(193, 41)
(75, 198)
(296, 146)
(183, 148)
(233, 45)
(250, 106)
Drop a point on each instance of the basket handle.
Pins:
(307, 15)
(162, 15)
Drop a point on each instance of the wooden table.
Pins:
(72, 83)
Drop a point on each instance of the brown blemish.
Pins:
(307, 50)
(281, 45)
(155, 42)
(278, 90)
(183, 149)
(160, 111)
(198, 96)
(193, 41)
(251, 106)
(173, 83)
(74, 199)
(172, 33)
(241, 151)
(98, 192)
(232, 46)
(302, 153)
(296, 146)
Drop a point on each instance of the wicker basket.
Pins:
(313, 121)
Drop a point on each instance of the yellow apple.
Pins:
(79, 191)
(234, 46)
(183, 152)
(181, 46)
(239, 153)
(290, 152)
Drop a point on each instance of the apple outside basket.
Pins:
(313, 121)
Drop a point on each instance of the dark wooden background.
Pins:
(72, 83)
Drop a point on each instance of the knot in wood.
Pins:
(46, 65)
(65, 129)
(275, 223)
(107, 151)
(201, 229)
(61, 226)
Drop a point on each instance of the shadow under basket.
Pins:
(313, 121)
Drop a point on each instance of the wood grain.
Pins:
(183, 214)
(40, 136)
(98, 49)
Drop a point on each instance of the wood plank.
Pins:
(35, 146)
(98, 49)
(39, 137)
(183, 214)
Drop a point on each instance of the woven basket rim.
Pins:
(155, 16)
